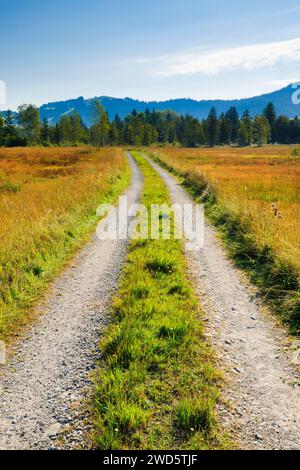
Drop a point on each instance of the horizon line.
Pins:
(155, 100)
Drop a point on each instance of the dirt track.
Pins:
(263, 385)
(48, 376)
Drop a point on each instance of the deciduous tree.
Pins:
(29, 120)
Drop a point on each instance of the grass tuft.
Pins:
(175, 331)
(195, 414)
(141, 290)
(9, 187)
(160, 264)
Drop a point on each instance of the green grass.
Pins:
(277, 279)
(156, 387)
(9, 187)
(195, 415)
(295, 153)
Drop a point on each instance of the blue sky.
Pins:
(62, 49)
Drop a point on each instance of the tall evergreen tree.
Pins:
(270, 114)
(114, 138)
(57, 137)
(282, 130)
(78, 129)
(233, 119)
(245, 130)
(261, 130)
(9, 120)
(147, 135)
(44, 134)
(294, 130)
(224, 130)
(212, 128)
(12, 137)
(65, 128)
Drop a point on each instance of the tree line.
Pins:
(149, 127)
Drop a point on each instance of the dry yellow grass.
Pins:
(259, 184)
(48, 199)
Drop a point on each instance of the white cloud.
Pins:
(213, 62)
(284, 82)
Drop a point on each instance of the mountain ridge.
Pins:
(282, 100)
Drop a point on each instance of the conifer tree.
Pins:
(270, 114)
(212, 128)
(44, 134)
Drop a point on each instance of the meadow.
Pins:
(256, 202)
(48, 201)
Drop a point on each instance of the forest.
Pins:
(148, 128)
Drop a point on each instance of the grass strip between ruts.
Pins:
(156, 387)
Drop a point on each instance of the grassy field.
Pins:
(253, 194)
(48, 201)
(157, 387)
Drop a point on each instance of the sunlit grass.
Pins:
(48, 201)
(249, 182)
(253, 196)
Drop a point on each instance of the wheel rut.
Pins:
(48, 376)
(262, 382)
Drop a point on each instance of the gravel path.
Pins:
(48, 377)
(260, 362)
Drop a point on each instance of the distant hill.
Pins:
(282, 100)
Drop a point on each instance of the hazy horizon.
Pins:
(148, 101)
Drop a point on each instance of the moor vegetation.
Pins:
(253, 196)
(48, 201)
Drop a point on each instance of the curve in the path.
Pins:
(262, 384)
(47, 378)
